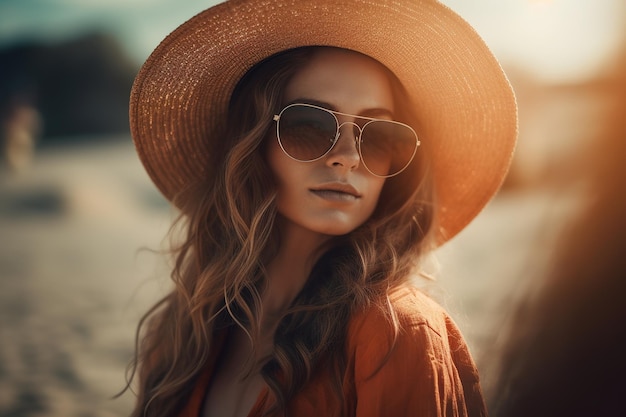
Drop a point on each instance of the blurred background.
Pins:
(79, 219)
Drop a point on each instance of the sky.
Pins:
(554, 40)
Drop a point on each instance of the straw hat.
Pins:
(462, 96)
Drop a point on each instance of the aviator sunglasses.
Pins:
(307, 133)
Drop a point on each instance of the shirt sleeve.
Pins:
(427, 372)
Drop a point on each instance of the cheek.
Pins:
(287, 172)
(375, 187)
(273, 155)
(380, 165)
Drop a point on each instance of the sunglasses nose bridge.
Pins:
(356, 133)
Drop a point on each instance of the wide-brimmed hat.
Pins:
(465, 104)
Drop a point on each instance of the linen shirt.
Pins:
(428, 373)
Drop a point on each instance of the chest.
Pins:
(233, 389)
(233, 393)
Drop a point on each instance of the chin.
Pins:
(337, 230)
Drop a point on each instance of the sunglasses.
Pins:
(307, 133)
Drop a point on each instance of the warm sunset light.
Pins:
(77, 206)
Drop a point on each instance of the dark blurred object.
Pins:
(79, 88)
(565, 354)
(27, 203)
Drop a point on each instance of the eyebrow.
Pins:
(376, 112)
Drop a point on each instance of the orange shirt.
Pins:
(428, 373)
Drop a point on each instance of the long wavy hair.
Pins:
(230, 234)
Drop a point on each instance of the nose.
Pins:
(345, 153)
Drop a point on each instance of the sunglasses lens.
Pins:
(306, 133)
(387, 147)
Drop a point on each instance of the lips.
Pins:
(336, 190)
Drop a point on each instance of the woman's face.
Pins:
(335, 194)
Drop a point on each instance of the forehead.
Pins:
(348, 81)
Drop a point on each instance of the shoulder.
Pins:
(411, 362)
(407, 308)
(419, 333)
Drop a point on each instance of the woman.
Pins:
(313, 167)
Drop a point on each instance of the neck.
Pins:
(289, 270)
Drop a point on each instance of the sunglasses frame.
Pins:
(339, 125)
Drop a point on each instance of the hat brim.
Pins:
(463, 99)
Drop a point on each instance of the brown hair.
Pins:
(230, 236)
